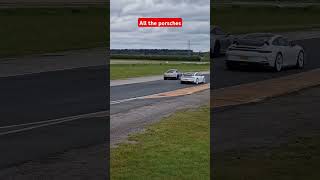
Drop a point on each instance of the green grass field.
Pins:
(123, 71)
(41, 30)
(177, 147)
(243, 19)
(136, 61)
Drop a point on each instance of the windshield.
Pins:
(255, 39)
(258, 36)
(171, 71)
(188, 74)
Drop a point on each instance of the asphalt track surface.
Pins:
(51, 95)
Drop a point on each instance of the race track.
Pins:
(47, 96)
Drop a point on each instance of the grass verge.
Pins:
(156, 57)
(244, 19)
(177, 147)
(123, 71)
(41, 30)
(296, 160)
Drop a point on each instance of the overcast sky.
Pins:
(125, 33)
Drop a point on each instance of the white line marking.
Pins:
(28, 124)
(126, 100)
(52, 122)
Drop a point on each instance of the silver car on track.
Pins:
(172, 74)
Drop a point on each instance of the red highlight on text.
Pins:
(160, 22)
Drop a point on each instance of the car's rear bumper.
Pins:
(187, 80)
(250, 59)
(249, 63)
(170, 76)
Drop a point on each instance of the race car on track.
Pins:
(219, 41)
(192, 77)
(172, 74)
(265, 49)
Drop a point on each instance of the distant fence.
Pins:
(144, 52)
(156, 57)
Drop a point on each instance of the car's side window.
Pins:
(286, 42)
(276, 42)
(283, 42)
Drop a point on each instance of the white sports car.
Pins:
(172, 74)
(193, 77)
(265, 49)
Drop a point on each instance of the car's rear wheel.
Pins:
(300, 60)
(165, 78)
(278, 63)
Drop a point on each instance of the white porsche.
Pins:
(192, 77)
(266, 49)
(172, 74)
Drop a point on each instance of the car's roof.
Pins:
(264, 34)
(270, 36)
(260, 35)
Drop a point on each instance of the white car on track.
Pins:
(192, 77)
(265, 49)
(172, 74)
